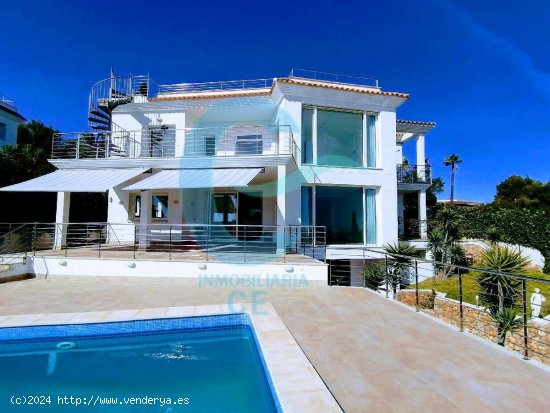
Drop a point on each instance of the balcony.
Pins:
(414, 174)
(164, 142)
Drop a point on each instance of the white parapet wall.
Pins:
(207, 273)
(534, 256)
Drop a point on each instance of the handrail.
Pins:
(9, 251)
(411, 173)
(186, 241)
(8, 102)
(334, 77)
(219, 86)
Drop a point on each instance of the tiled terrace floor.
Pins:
(373, 354)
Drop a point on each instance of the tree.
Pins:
(452, 161)
(443, 243)
(28, 159)
(36, 134)
(519, 192)
(500, 291)
(437, 187)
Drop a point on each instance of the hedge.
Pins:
(522, 226)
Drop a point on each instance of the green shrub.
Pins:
(374, 275)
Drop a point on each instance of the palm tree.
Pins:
(452, 161)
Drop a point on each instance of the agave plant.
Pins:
(507, 322)
(500, 292)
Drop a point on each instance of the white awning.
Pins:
(197, 178)
(76, 180)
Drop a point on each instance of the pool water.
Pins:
(199, 364)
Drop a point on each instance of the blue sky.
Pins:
(481, 70)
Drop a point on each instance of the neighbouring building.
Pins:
(9, 120)
(304, 151)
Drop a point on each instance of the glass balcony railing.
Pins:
(166, 142)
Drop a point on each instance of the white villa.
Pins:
(310, 165)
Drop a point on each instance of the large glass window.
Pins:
(307, 136)
(340, 210)
(339, 138)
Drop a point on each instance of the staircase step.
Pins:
(99, 121)
(101, 114)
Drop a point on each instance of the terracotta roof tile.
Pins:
(347, 88)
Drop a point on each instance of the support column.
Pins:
(421, 157)
(61, 219)
(144, 219)
(400, 214)
(422, 214)
(281, 208)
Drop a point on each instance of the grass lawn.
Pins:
(470, 288)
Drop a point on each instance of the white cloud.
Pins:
(518, 57)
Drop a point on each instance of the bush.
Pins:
(522, 226)
(374, 275)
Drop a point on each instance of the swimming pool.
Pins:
(192, 364)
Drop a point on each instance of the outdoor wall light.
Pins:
(289, 268)
(202, 267)
(63, 263)
(131, 265)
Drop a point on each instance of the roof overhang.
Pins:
(414, 127)
(76, 180)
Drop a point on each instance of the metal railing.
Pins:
(407, 173)
(13, 246)
(411, 228)
(413, 174)
(334, 77)
(8, 102)
(209, 87)
(496, 306)
(163, 142)
(246, 243)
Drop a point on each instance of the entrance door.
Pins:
(250, 215)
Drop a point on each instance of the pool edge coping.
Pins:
(297, 384)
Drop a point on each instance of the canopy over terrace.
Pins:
(76, 180)
(197, 178)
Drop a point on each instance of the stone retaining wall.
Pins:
(477, 321)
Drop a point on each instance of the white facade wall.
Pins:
(284, 107)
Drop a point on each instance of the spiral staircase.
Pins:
(105, 96)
